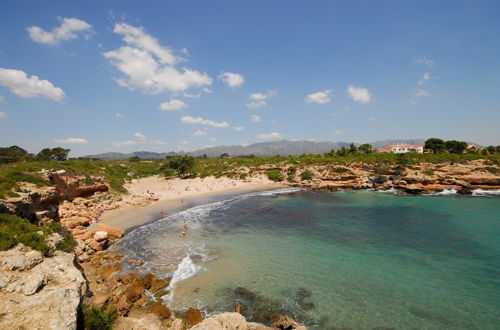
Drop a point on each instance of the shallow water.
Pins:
(357, 260)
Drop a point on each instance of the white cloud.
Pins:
(63, 32)
(259, 99)
(192, 96)
(19, 84)
(185, 51)
(173, 105)
(207, 90)
(239, 128)
(184, 142)
(3, 114)
(119, 115)
(150, 67)
(425, 61)
(200, 133)
(232, 79)
(422, 93)
(256, 104)
(425, 78)
(359, 94)
(71, 141)
(319, 97)
(256, 119)
(338, 132)
(140, 136)
(199, 120)
(270, 136)
(212, 139)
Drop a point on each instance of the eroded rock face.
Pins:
(37, 292)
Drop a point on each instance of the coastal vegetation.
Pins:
(17, 165)
(14, 230)
(95, 318)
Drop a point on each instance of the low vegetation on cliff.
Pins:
(14, 230)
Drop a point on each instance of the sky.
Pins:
(101, 76)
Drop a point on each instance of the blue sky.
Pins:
(100, 76)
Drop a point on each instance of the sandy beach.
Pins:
(154, 197)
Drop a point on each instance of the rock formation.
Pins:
(37, 292)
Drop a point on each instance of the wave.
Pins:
(445, 192)
(481, 192)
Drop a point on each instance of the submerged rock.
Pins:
(193, 317)
(244, 293)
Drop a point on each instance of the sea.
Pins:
(333, 260)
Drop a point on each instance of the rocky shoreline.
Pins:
(92, 274)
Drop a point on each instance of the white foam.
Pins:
(446, 192)
(185, 270)
(392, 190)
(482, 192)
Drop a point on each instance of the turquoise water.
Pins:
(359, 260)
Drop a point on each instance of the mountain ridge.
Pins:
(281, 147)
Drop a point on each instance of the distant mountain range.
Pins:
(283, 148)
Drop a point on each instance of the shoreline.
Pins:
(167, 203)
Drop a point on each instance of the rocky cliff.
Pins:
(38, 292)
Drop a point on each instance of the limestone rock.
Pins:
(177, 324)
(146, 322)
(224, 321)
(38, 293)
(100, 235)
(20, 258)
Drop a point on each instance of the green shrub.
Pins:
(492, 170)
(306, 175)
(340, 170)
(428, 172)
(274, 175)
(6, 241)
(95, 318)
(243, 176)
(291, 170)
(34, 241)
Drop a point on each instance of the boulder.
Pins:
(281, 322)
(224, 321)
(113, 233)
(146, 322)
(100, 236)
(159, 309)
(74, 222)
(20, 258)
(193, 317)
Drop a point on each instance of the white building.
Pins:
(404, 148)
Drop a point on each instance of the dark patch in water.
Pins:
(429, 315)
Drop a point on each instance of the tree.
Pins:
(497, 149)
(342, 152)
(353, 149)
(435, 144)
(366, 148)
(58, 153)
(134, 159)
(13, 154)
(491, 150)
(456, 147)
(183, 165)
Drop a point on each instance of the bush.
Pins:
(306, 175)
(492, 170)
(340, 170)
(6, 241)
(275, 175)
(243, 176)
(34, 241)
(428, 172)
(95, 318)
